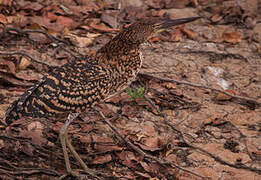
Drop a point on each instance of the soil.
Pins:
(205, 133)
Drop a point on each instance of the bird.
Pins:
(70, 89)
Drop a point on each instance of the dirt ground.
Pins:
(199, 133)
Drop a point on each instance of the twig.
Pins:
(19, 170)
(249, 100)
(142, 153)
(218, 159)
(20, 31)
(49, 36)
(216, 56)
(23, 54)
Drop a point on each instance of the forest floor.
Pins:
(200, 117)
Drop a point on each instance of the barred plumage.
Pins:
(73, 87)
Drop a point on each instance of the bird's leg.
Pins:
(78, 158)
(63, 135)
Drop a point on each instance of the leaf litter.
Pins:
(211, 121)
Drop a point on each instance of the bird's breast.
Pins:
(127, 69)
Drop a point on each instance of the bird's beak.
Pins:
(174, 22)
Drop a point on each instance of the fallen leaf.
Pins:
(129, 111)
(145, 175)
(35, 6)
(102, 27)
(216, 18)
(223, 97)
(104, 148)
(35, 26)
(159, 13)
(176, 36)
(38, 37)
(177, 4)
(149, 143)
(189, 33)
(3, 19)
(169, 85)
(154, 39)
(110, 20)
(35, 132)
(232, 37)
(7, 64)
(81, 41)
(27, 149)
(7, 3)
(47, 23)
(66, 21)
(52, 16)
(28, 75)
(102, 159)
(151, 167)
(128, 158)
(2, 144)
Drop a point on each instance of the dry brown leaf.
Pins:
(102, 159)
(154, 39)
(7, 64)
(6, 3)
(35, 132)
(35, 26)
(28, 75)
(216, 18)
(3, 19)
(159, 13)
(223, 97)
(86, 127)
(130, 111)
(151, 167)
(169, 85)
(214, 120)
(2, 144)
(127, 158)
(104, 148)
(155, 4)
(259, 50)
(40, 38)
(189, 33)
(35, 6)
(145, 175)
(177, 4)
(80, 41)
(149, 143)
(51, 16)
(45, 22)
(52, 32)
(110, 20)
(176, 36)
(27, 149)
(102, 27)
(232, 37)
(66, 21)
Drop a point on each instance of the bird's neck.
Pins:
(123, 60)
(119, 54)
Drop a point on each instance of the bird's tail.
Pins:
(19, 109)
(12, 113)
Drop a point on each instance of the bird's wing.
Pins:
(70, 88)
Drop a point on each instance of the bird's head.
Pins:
(136, 34)
(139, 32)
